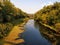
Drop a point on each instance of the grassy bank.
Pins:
(13, 35)
(7, 28)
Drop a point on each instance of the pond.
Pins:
(32, 35)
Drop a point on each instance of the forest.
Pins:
(49, 20)
(49, 15)
(9, 16)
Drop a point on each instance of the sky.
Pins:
(32, 6)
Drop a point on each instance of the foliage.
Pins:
(5, 29)
(49, 14)
(9, 16)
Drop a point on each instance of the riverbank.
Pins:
(17, 28)
(10, 39)
(50, 33)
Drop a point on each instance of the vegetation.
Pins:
(9, 16)
(49, 21)
(49, 15)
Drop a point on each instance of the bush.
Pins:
(5, 29)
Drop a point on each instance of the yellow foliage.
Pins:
(57, 25)
(44, 18)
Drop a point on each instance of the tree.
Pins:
(49, 14)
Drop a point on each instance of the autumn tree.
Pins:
(49, 14)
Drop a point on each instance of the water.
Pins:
(32, 35)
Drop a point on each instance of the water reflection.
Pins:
(32, 35)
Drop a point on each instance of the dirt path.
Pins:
(13, 35)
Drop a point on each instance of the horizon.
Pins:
(32, 6)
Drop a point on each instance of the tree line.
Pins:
(49, 15)
(9, 16)
(8, 12)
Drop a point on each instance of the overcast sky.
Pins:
(32, 6)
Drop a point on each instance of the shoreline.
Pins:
(13, 35)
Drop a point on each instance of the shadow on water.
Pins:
(32, 36)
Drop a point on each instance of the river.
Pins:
(32, 35)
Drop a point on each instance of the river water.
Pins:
(32, 35)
